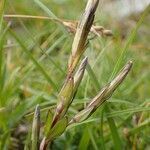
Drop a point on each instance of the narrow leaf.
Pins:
(83, 145)
(93, 77)
(64, 99)
(35, 129)
(2, 7)
(36, 63)
(48, 123)
(58, 129)
(22, 109)
(46, 9)
(114, 132)
(129, 41)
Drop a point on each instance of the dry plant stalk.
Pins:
(70, 25)
(96, 30)
(56, 124)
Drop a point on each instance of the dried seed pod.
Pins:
(111, 87)
(103, 95)
(118, 79)
(85, 113)
(83, 28)
(107, 32)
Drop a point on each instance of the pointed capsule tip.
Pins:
(130, 62)
(83, 64)
(37, 110)
(85, 60)
(129, 65)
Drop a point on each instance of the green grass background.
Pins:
(33, 63)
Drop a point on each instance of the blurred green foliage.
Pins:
(33, 54)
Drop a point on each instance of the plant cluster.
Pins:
(57, 121)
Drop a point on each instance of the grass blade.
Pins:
(47, 10)
(83, 145)
(48, 51)
(93, 77)
(22, 109)
(142, 126)
(114, 132)
(36, 63)
(127, 111)
(101, 130)
(113, 128)
(50, 14)
(48, 123)
(93, 140)
(129, 42)
(2, 7)
(35, 129)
